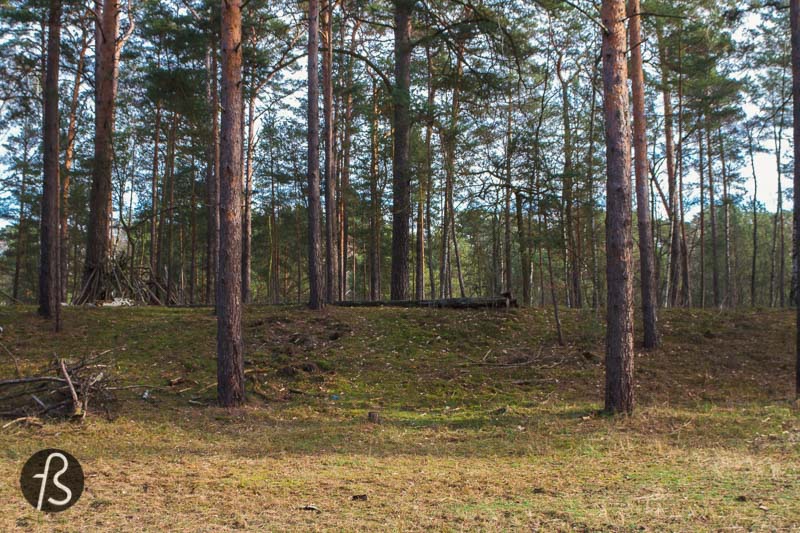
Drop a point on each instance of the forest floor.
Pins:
(487, 424)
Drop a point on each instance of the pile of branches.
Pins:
(117, 279)
(63, 390)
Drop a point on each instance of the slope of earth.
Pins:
(486, 423)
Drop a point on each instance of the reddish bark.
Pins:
(619, 244)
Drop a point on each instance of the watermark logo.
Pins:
(52, 480)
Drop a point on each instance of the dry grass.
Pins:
(488, 424)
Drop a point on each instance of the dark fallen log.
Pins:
(498, 302)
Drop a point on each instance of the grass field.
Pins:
(487, 424)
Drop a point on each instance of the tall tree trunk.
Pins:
(21, 223)
(751, 150)
(423, 193)
(401, 172)
(247, 216)
(781, 254)
(68, 159)
(507, 279)
(702, 222)
(193, 253)
(448, 140)
(713, 221)
(98, 245)
(212, 178)
(619, 244)
(230, 348)
(331, 248)
(49, 295)
(570, 243)
(524, 257)
(154, 198)
(794, 10)
(684, 255)
(429, 167)
(730, 296)
(375, 217)
(642, 185)
(345, 192)
(674, 256)
(316, 297)
(170, 196)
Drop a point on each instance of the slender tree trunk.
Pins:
(619, 396)
(170, 195)
(331, 252)
(448, 140)
(98, 246)
(507, 271)
(154, 198)
(247, 217)
(21, 223)
(751, 150)
(429, 167)
(345, 192)
(193, 253)
(68, 159)
(646, 258)
(457, 256)
(684, 255)
(212, 178)
(401, 172)
(591, 201)
(524, 257)
(230, 348)
(702, 222)
(423, 194)
(794, 10)
(49, 295)
(316, 297)
(570, 242)
(713, 221)
(674, 257)
(376, 216)
(730, 296)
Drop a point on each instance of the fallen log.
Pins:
(498, 302)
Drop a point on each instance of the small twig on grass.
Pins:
(13, 358)
(37, 379)
(28, 419)
(75, 401)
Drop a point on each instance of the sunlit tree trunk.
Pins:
(98, 246)
(401, 172)
(619, 243)
(316, 296)
(646, 258)
(331, 248)
(230, 348)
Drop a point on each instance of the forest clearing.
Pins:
(486, 423)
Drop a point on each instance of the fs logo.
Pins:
(52, 480)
